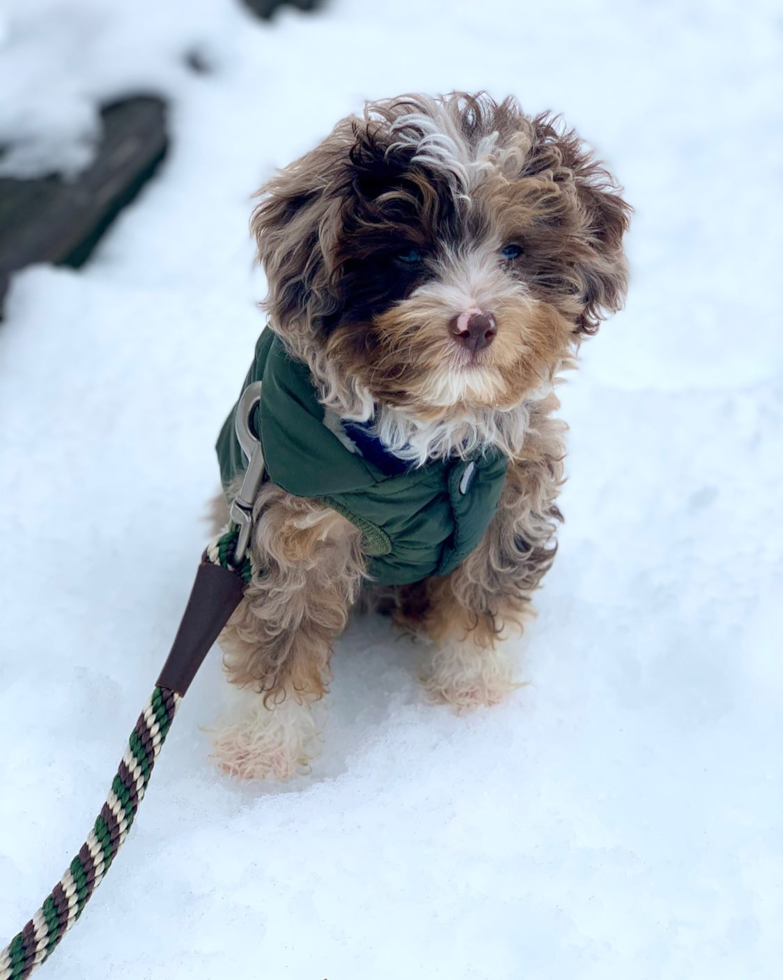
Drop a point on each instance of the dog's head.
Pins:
(442, 255)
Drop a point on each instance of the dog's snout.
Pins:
(475, 330)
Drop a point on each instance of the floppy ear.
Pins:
(296, 225)
(600, 220)
(603, 270)
(302, 217)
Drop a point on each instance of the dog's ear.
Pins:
(602, 218)
(296, 225)
(301, 220)
(301, 217)
(603, 270)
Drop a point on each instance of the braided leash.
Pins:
(220, 553)
(226, 568)
(66, 901)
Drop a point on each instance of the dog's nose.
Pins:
(474, 330)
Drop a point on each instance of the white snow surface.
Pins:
(620, 817)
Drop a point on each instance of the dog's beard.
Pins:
(460, 435)
(426, 395)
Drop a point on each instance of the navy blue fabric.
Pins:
(373, 450)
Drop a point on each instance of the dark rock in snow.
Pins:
(265, 8)
(61, 221)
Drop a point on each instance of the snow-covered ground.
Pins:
(621, 817)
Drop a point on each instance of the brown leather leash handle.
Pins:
(216, 593)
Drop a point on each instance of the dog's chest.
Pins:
(415, 521)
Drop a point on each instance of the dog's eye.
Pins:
(409, 256)
(511, 252)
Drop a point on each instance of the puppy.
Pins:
(433, 266)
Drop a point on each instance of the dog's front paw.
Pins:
(273, 743)
(235, 757)
(466, 676)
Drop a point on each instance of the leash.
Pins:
(225, 569)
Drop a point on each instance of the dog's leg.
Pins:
(277, 646)
(467, 613)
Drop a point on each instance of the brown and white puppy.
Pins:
(436, 263)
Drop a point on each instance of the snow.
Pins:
(621, 816)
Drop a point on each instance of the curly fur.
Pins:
(279, 639)
(373, 243)
(326, 224)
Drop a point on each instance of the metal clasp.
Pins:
(242, 505)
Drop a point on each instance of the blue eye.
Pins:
(409, 256)
(511, 252)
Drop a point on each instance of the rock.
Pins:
(265, 8)
(54, 220)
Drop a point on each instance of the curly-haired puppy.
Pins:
(432, 266)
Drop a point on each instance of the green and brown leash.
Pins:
(226, 568)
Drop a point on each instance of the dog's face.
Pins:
(442, 253)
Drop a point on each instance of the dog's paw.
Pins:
(466, 696)
(467, 677)
(274, 743)
(235, 758)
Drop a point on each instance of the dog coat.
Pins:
(416, 521)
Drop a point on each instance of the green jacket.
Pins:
(416, 523)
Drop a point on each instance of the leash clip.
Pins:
(242, 505)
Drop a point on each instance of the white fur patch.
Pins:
(333, 423)
(466, 676)
(462, 436)
(434, 147)
(439, 143)
(255, 742)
